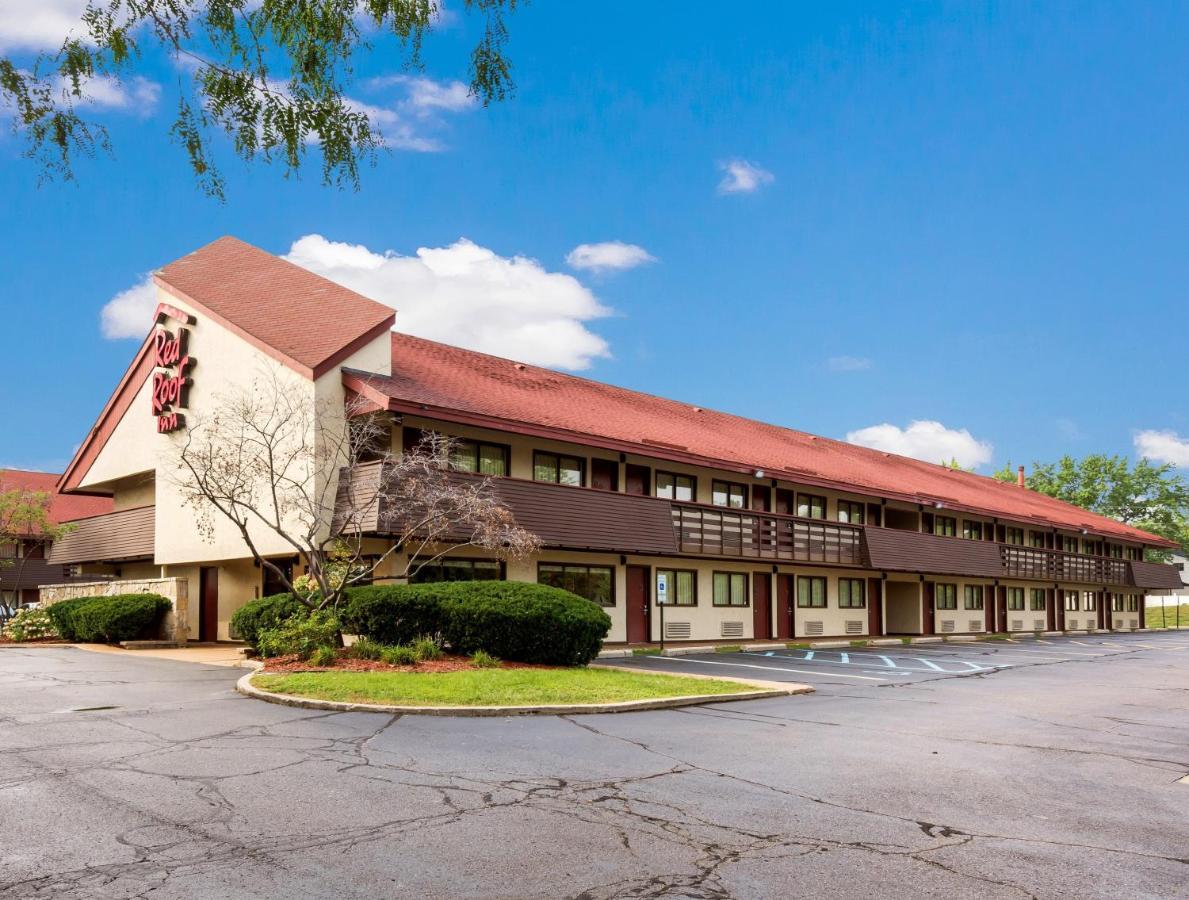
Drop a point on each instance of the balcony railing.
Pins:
(1057, 565)
(717, 531)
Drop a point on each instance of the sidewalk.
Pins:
(207, 654)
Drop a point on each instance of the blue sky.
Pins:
(960, 214)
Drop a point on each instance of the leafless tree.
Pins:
(272, 461)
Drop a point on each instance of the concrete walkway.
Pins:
(207, 654)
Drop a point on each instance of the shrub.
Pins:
(324, 656)
(508, 619)
(264, 613)
(30, 625)
(119, 617)
(400, 655)
(301, 635)
(428, 648)
(366, 648)
(481, 659)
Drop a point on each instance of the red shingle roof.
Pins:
(63, 507)
(310, 322)
(447, 379)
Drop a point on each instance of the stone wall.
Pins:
(176, 590)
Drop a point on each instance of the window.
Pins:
(1037, 538)
(1116, 551)
(1089, 601)
(945, 596)
(1036, 599)
(1133, 603)
(1071, 600)
(810, 506)
(730, 589)
(1117, 602)
(974, 596)
(727, 493)
(447, 569)
(972, 531)
(1015, 598)
(1135, 553)
(1069, 544)
(558, 468)
(9, 549)
(595, 583)
(850, 511)
(945, 525)
(1014, 535)
(851, 593)
(683, 586)
(811, 591)
(1089, 547)
(476, 456)
(676, 487)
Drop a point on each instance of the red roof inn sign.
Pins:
(171, 364)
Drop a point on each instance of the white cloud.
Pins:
(129, 314)
(423, 101)
(427, 93)
(470, 296)
(927, 440)
(137, 95)
(1163, 446)
(742, 177)
(39, 24)
(608, 256)
(848, 363)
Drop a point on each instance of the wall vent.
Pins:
(1038, 624)
(1118, 624)
(947, 626)
(854, 626)
(677, 631)
(975, 625)
(814, 628)
(731, 629)
(1017, 624)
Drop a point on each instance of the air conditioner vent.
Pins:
(854, 626)
(732, 629)
(1118, 623)
(1038, 624)
(1017, 624)
(814, 628)
(975, 624)
(677, 631)
(947, 626)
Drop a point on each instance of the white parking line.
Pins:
(861, 661)
(710, 662)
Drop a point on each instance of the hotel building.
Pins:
(760, 531)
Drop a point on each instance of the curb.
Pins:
(776, 689)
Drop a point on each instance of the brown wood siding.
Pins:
(893, 550)
(1155, 575)
(29, 573)
(117, 536)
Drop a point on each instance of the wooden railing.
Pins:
(1057, 565)
(718, 531)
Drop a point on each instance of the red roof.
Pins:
(63, 507)
(303, 319)
(448, 382)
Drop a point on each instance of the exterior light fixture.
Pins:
(759, 473)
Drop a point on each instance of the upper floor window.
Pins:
(683, 586)
(1013, 535)
(973, 596)
(1037, 599)
(1015, 598)
(945, 525)
(1069, 544)
(595, 583)
(671, 486)
(972, 531)
(9, 549)
(727, 493)
(850, 511)
(852, 593)
(558, 468)
(1135, 553)
(480, 457)
(730, 589)
(810, 506)
(945, 596)
(1117, 551)
(811, 591)
(1037, 538)
(1090, 547)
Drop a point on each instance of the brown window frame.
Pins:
(1089, 601)
(1072, 601)
(439, 563)
(945, 596)
(1037, 539)
(656, 485)
(1013, 531)
(1033, 594)
(952, 523)
(588, 567)
(972, 530)
(1069, 544)
(972, 597)
(673, 585)
(810, 505)
(849, 507)
(811, 580)
(845, 602)
(731, 576)
(1015, 599)
(558, 457)
(716, 483)
(478, 446)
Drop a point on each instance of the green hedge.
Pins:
(264, 614)
(120, 617)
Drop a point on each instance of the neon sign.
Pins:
(171, 365)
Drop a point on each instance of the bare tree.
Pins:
(272, 461)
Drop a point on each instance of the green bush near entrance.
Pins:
(265, 613)
(120, 617)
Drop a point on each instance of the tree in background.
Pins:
(25, 529)
(1147, 495)
(271, 74)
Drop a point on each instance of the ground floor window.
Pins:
(683, 586)
(447, 569)
(974, 596)
(1117, 602)
(851, 593)
(1038, 599)
(811, 591)
(730, 589)
(1133, 603)
(1015, 598)
(595, 583)
(945, 596)
(1071, 600)
(1091, 602)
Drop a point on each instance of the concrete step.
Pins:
(151, 645)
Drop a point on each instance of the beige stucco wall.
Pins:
(176, 590)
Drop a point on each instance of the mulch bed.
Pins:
(286, 664)
(5, 639)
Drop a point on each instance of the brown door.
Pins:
(1051, 609)
(639, 604)
(638, 479)
(761, 497)
(208, 608)
(1060, 603)
(1104, 613)
(604, 474)
(784, 606)
(989, 607)
(874, 514)
(1001, 606)
(761, 605)
(785, 503)
(927, 608)
(874, 606)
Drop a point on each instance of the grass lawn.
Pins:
(1170, 616)
(492, 687)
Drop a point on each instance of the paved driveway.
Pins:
(130, 777)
